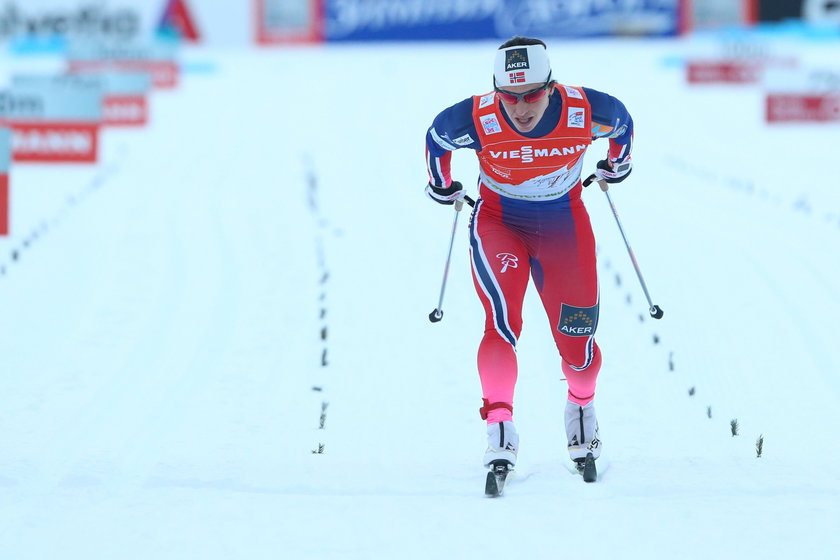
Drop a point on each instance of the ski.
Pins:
(495, 484)
(586, 467)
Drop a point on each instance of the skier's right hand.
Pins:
(446, 195)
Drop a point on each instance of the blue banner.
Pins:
(5, 150)
(410, 20)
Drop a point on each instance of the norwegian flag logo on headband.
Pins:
(517, 77)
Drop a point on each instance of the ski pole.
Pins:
(437, 314)
(655, 310)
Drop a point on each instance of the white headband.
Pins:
(522, 64)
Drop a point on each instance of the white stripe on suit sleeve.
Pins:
(434, 169)
(445, 144)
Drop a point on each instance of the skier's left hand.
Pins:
(612, 172)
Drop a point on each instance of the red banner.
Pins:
(55, 142)
(4, 204)
(124, 110)
(802, 108)
(724, 71)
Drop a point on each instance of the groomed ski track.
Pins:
(250, 282)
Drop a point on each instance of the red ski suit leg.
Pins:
(552, 242)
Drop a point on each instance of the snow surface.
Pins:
(182, 317)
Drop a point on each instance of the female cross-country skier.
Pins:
(530, 134)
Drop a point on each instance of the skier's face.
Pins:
(525, 115)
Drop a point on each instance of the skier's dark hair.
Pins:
(521, 42)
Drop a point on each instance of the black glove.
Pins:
(612, 172)
(447, 195)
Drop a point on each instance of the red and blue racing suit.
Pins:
(530, 221)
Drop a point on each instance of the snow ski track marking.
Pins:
(314, 207)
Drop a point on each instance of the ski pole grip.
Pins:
(603, 184)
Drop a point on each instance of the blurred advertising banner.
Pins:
(736, 59)
(711, 14)
(177, 22)
(288, 21)
(799, 107)
(53, 119)
(746, 70)
(815, 12)
(36, 26)
(156, 59)
(802, 95)
(123, 95)
(367, 20)
(722, 71)
(125, 101)
(39, 22)
(821, 12)
(5, 164)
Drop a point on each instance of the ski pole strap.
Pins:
(488, 406)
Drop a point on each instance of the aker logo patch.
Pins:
(490, 124)
(516, 59)
(576, 117)
(578, 321)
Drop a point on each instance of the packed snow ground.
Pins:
(182, 318)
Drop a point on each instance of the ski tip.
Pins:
(495, 483)
(491, 487)
(590, 472)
